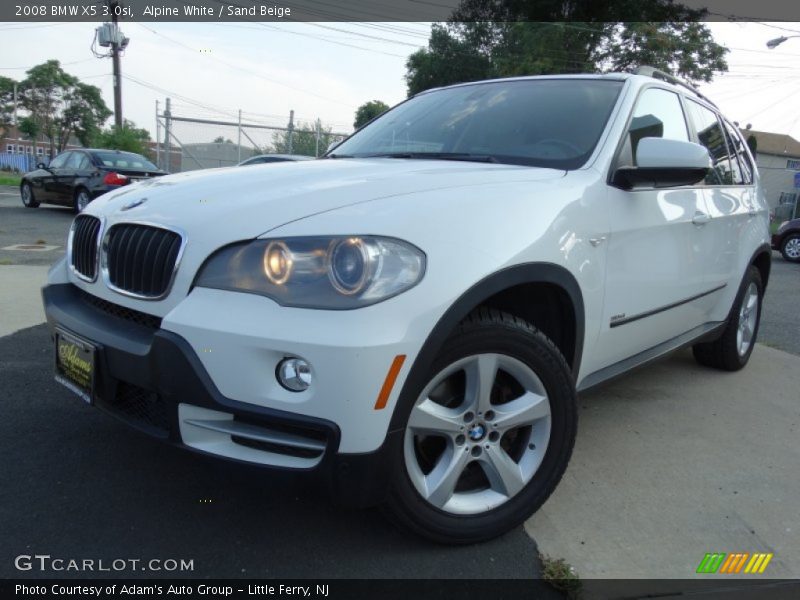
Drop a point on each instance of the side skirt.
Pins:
(702, 333)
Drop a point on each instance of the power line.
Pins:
(250, 72)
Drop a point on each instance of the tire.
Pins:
(81, 200)
(790, 248)
(28, 198)
(732, 350)
(475, 445)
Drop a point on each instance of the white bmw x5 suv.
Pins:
(413, 315)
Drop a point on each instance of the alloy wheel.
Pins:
(792, 248)
(477, 434)
(748, 316)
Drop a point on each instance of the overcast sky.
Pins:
(326, 70)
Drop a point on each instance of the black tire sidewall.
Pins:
(532, 348)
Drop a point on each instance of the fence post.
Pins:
(319, 125)
(239, 142)
(291, 130)
(167, 149)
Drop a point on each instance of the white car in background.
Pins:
(414, 315)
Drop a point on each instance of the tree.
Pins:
(221, 140)
(128, 138)
(368, 111)
(6, 104)
(304, 140)
(507, 38)
(60, 106)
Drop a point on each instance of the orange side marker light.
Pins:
(388, 383)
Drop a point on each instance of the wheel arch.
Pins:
(762, 260)
(489, 291)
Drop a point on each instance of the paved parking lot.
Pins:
(671, 462)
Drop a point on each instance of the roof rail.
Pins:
(657, 74)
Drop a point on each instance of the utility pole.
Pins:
(158, 138)
(319, 126)
(114, 6)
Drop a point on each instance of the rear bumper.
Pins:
(153, 380)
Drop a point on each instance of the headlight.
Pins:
(317, 272)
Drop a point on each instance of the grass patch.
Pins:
(773, 227)
(562, 576)
(6, 261)
(6, 179)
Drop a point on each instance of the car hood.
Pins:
(229, 204)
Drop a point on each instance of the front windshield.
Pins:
(541, 122)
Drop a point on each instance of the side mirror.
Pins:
(664, 163)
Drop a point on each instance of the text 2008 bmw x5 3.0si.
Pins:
(413, 315)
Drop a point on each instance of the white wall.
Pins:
(775, 176)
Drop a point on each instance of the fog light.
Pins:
(294, 374)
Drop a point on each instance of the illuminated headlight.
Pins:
(339, 272)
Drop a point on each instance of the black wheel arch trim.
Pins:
(499, 281)
(766, 250)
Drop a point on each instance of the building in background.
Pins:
(213, 155)
(778, 160)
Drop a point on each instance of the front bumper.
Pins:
(153, 380)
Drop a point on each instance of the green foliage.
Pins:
(60, 106)
(128, 138)
(368, 111)
(304, 140)
(6, 104)
(221, 140)
(506, 38)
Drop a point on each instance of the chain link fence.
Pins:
(190, 139)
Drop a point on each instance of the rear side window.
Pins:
(78, 161)
(658, 113)
(60, 160)
(743, 168)
(711, 135)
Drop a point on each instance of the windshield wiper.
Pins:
(465, 156)
(339, 156)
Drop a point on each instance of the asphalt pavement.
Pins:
(46, 225)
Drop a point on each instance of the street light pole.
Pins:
(774, 43)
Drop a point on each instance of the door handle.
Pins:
(700, 218)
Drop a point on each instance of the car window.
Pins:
(743, 169)
(548, 122)
(658, 113)
(77, 161)
(710, 135)
(125, 160)
(60, 160)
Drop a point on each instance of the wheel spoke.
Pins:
(524, 410)
(481, 374)
(431, 417)
(441, 482)
(504, 475)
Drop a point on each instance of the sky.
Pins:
(326, 70)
